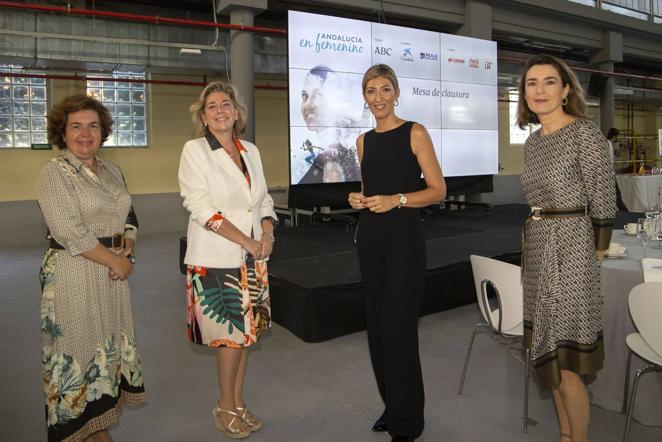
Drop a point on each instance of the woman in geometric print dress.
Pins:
(90, 362)
(230, 234)
(569, 184)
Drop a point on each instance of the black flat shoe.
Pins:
(398, 438)
(380, 424)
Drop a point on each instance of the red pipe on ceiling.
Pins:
(181, 21)
(125, 80)
(593, 71)
(155, 19)
(202, 83)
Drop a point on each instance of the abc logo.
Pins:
(380, 50)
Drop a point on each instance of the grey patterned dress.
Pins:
(561, 275)
(90, 361)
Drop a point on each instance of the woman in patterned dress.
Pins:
(230, 234)
(569, 185)
(90, 362)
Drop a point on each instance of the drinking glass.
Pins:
(645, 231)
(657, 232)
(652, 210)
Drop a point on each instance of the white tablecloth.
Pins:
(619, 276)
(639, 191)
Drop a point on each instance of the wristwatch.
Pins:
(132, 259)
(402, 201)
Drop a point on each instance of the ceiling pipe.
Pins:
(592, 71)
(111, 40)
(154, 19)
(197, 83)
(125, 80)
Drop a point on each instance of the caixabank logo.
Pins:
(406, 54)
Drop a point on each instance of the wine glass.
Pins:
(652, 210)
(645, 231)
(657, 232)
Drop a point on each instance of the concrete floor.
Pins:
(304, 392)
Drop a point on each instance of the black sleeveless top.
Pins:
(388, 166)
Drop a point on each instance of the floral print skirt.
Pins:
(91, 365)
(228, 307)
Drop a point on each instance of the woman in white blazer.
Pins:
(230, 235)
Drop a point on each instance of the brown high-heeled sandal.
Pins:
(254, 422)
(235, 429)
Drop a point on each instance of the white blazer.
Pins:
(210, 182)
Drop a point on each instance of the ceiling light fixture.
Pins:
(192, 51)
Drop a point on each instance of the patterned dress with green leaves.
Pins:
(90, 361)
(228, 307)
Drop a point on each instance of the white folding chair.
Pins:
(645, 301)
(506, 320)
(652, 269)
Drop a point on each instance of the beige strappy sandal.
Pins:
(235, 429)
(254, 423)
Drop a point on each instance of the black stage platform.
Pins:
(314, 270)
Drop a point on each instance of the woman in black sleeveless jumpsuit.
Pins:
(392, 251)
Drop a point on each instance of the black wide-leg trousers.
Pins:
(392, 256)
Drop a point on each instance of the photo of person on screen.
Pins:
(334, 121)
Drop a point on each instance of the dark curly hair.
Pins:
(57, 117)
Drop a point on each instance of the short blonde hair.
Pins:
(380, 70)
(197, 109)
(576, 106)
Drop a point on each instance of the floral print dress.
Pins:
(90, 361)
(228, 307)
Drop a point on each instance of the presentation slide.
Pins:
(448, 84)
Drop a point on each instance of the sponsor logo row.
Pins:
(350, 43)
(474, 63)
(406, 54)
